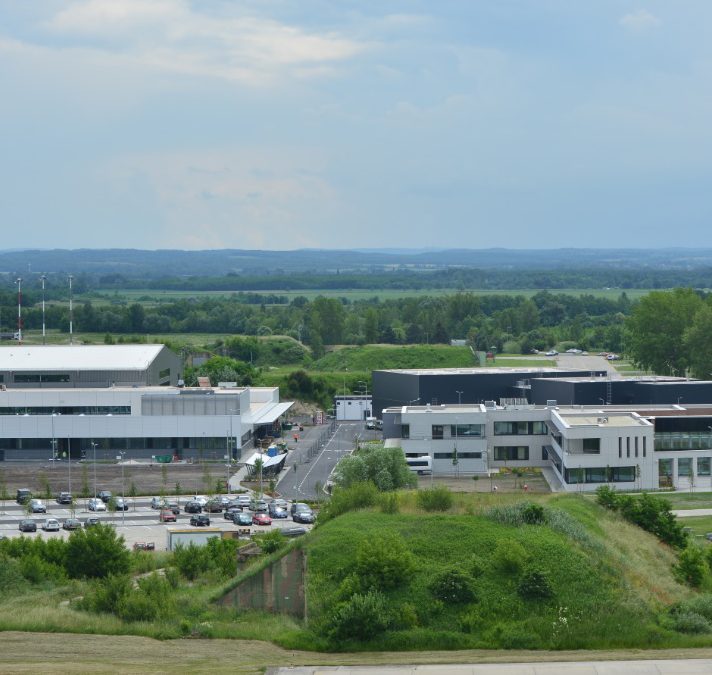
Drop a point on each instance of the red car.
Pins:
(261, 519)
(167, 516)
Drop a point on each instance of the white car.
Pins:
(51, 525)
(573, 350)
(96, 504)
(243, 500)
(552, 352)
(201, 499)
(613, 357)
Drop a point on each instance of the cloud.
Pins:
(174, 36)
(640, 21)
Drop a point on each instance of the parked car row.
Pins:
(53, 525)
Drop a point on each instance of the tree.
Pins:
(656, 330)
(96, 552)
(384, 467)
(698, 343)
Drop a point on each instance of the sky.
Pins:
(274, 124)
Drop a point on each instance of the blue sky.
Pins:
(279, 124)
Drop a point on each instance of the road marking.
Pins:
(336, 433)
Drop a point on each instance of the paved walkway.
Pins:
(652, 667)
(683, 513)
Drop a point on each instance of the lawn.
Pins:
(688, 500)
(378, 357)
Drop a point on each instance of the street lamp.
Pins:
(120, 458)
(459, 396)
(93, 446)
(71, 312)
(43, 278)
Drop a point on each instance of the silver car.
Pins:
(96, 504)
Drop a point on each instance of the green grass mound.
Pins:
(551, 578)
(378, 357)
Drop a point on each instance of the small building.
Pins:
(352, 407)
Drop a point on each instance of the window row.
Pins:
(520, 429)
(459, 455)
(67, 410)
(684, 467)
(604, 474)
(511, 453)
(638, 444)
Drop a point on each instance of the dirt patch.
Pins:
(504, 482)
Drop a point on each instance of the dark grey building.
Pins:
(460, 385)
(71, 366)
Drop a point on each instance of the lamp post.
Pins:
(93, 446)
(71, 312)
(19, 309)
(459, 397)
(120, 457)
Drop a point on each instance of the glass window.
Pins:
(466, 430)
(623, 474)
(620, 447)
(539, 428)
(592, 445)
(684, 466)
(437, 432)
(627, 446)
(510, 453)
(703, 466)
(405, 430)
(596, 475)
(645, 446)
(636, 446)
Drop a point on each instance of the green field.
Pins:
(152, 296)
(377, 357)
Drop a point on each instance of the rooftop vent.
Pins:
(551, 403)
(491, 405)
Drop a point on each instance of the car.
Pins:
(258, 505)
(573, 350)
(282, 503)
(552, 352)
(64, 498)
(174, 507)
(224, 500)
(105, 496)
(277, 511)
(71, 524)
(241, 518)
(213, 506)
(298, 506)
(613, 357)
(261, 519)
(167, 516)
(51, 525)
(28, 526)
(96, 504)
(200, 520)
(23, 495)
(295, 531)
(120, 504)
(243, 500)
(37, 506)
(234, 505)
(201, 499)
(92, 521)
(230, 512)
(157, 502)
(307, 517)
(192, 507)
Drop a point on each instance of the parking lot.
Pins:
(139, 524)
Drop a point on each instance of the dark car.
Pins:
(37, 506)
(213, 506)
(200, 520)
(92, 521)
(298, 506)
(295, 531)
(105, 496)
(120, 504)
(28, 526)
(230, 513)
(304, 517)
(71, 524)
(173, 507)
(192, 507)
(64, 498)
(23, 495)
(240, 518)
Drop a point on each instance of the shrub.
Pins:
(36, 570)
(407, 616)
(362, 617)
(390, 503)
(471, 622)
(343, 500)
(453, 585)
(437, 498)
(535, 585)
(533, 514)
(96, 552)
(607, 497)
(190, 560)
(699, 604)
(690, 622)
(691, 567)
(383, 563)
(107, 594)
(270, 542)
(477, 567)
(509, 557)
(11, 578)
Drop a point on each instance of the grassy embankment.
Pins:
(611, 582)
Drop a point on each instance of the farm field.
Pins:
(153, 296)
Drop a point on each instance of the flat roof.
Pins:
(77, 357)
(603, 420)
(479, 371)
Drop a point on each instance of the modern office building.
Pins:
(579, 447)
(142, 422)
(84, 366)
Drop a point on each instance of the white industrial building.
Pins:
(352, 407)
(579, 447)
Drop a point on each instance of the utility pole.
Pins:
(19, 310)
(71, 312)
(44, 334)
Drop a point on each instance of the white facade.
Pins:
(142, 421)
(353, 407)
(584, 447)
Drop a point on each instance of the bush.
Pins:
(107, 594)
(437, 498)
(699, 604)
(96, 553)
(11, 578)
(270, 542)
(607, 497)
(343, 500)
(691, 567)
(453, 585)
(471, 622)
(383, 563)
(384, 467)
(509, 557)
(390, 503)
(362, 617)
(533, 514)
(690, 622)
(535, 585)
(190, 560)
